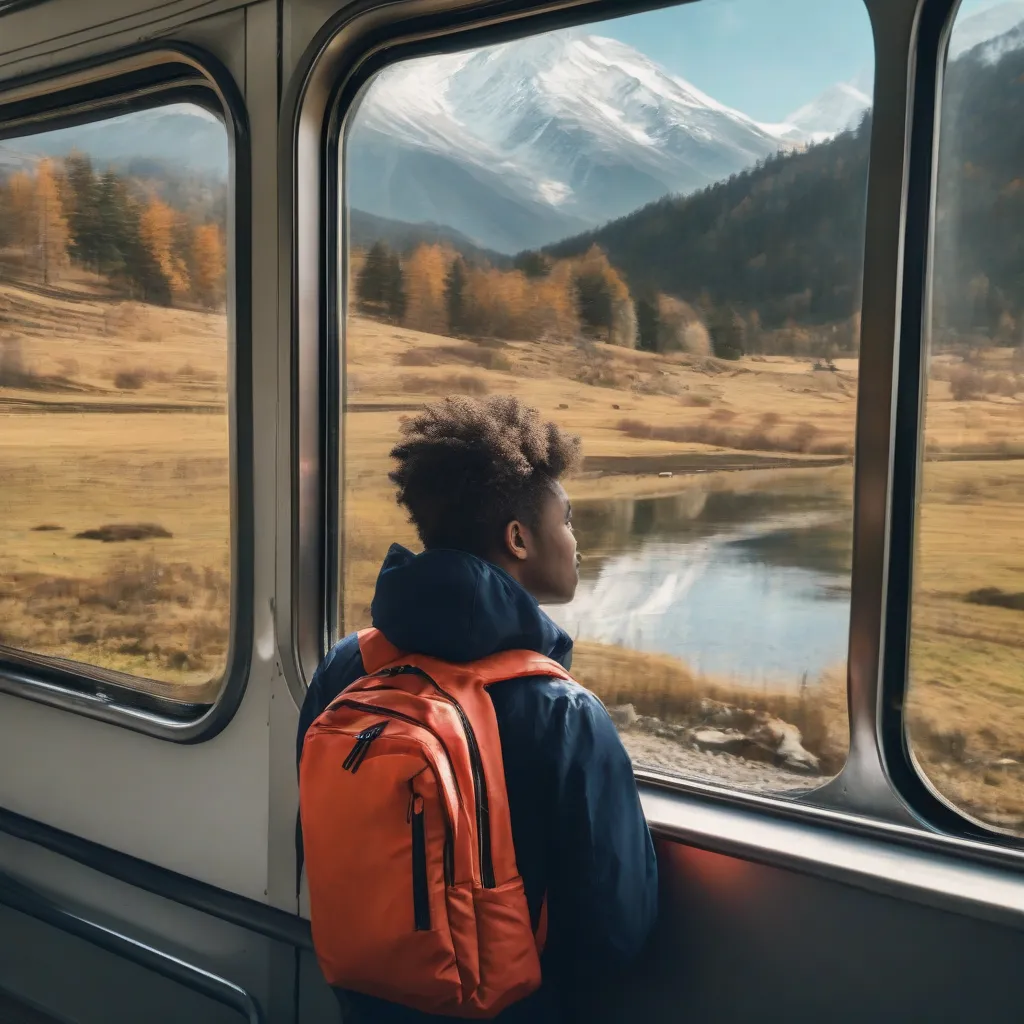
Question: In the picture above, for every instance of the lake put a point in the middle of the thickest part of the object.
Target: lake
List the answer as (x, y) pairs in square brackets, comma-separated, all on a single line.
[(750, 583)]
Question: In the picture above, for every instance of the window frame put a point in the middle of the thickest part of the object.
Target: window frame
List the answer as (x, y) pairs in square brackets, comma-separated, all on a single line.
[(879, 790), (937, 23), (142, 78)]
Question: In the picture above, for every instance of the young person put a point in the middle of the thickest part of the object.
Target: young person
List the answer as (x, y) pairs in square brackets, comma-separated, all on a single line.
[(481, 484)]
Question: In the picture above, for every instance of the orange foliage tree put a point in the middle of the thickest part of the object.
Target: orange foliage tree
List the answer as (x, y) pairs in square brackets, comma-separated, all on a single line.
[(549, 300), (157, 230), (508, 304), (35, 230), (52, 225), (425, 273), (209, 266)]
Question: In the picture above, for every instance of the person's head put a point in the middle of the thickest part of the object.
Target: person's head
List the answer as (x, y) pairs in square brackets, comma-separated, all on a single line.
[(483, 477)]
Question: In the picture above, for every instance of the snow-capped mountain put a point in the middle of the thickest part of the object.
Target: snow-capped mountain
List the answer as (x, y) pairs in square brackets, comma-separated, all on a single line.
[(560, 132), (838, 108), (994, 25)]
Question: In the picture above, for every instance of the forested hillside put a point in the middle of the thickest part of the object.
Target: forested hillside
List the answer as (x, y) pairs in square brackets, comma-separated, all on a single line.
[(783, 242), (149, 235), (784, 239)]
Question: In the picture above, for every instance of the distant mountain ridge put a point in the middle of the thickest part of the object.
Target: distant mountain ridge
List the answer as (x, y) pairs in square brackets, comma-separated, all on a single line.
[(520, 144), (182, 137), (365, 229)]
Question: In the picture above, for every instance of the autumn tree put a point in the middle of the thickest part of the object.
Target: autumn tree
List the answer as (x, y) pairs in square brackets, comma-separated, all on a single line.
[(209, 266), (52, 225), (425, 274), (19, 229), (35, 228), (156, 230)]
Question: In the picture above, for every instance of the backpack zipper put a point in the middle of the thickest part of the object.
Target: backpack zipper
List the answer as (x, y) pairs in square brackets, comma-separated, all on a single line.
[(479, 783), (420, 888)]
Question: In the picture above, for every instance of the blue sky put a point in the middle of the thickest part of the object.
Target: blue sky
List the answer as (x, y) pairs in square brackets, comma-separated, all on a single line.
[(764, 57)]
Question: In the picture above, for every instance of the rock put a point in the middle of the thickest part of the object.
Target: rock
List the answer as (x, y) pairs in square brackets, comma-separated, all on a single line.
[(672, 731), (624, 716), (772, 741), (729, 741), (725, 716), (754, 736), (786, 743)]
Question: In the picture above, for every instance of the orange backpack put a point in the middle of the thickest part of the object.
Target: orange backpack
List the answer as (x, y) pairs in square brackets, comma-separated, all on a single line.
[(414, 892)]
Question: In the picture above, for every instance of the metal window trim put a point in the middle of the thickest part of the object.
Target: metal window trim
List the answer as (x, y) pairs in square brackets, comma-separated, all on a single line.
[(96, 693), (938, 20)]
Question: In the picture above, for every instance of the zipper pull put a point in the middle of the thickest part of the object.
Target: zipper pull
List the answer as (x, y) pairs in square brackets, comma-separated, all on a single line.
[(354, 752), (366, 737), (415, 803)]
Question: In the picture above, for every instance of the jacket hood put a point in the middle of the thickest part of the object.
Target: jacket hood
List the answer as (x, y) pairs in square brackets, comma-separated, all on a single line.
[(456, 607)]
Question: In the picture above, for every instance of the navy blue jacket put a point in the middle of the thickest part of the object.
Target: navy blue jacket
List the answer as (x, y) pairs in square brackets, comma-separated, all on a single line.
[(577, 826)]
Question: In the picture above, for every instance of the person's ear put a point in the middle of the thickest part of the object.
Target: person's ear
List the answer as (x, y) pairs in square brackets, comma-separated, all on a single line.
[(515, 540)]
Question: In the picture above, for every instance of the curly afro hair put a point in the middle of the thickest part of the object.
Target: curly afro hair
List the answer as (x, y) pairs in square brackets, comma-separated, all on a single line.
[(467, 468)]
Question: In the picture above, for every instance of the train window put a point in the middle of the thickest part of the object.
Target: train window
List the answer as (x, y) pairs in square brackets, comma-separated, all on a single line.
[(115, 511), (965, 711), (652, 230)]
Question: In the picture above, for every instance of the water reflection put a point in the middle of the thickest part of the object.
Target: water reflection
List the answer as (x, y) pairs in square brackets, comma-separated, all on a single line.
[(751, 584)]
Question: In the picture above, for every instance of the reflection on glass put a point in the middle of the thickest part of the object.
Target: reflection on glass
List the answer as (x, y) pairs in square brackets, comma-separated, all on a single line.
[(965, 712), (572, 218), (114, 462)]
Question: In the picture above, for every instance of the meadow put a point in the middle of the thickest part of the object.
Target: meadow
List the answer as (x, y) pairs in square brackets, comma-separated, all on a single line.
[(115, 511)]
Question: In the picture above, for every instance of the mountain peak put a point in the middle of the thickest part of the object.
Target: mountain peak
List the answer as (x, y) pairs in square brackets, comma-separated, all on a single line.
[(582, 126), (837, 109), (994, 26)]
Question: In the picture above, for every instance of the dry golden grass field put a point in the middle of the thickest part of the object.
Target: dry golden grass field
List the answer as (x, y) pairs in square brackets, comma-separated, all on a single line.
[(113, 415)]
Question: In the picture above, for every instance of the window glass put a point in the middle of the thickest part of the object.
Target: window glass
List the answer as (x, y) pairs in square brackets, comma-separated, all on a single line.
[(651, 229), (965, 710), (114, 460)]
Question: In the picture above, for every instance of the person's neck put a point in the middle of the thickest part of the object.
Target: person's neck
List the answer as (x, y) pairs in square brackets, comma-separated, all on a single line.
[(512, 566)]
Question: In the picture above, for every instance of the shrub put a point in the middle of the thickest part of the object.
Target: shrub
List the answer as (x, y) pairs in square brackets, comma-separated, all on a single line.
[(129, 380)]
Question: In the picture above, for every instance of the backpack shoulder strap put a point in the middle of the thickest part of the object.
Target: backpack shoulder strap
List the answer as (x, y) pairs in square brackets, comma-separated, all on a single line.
[(516, 665), (376, 650)]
